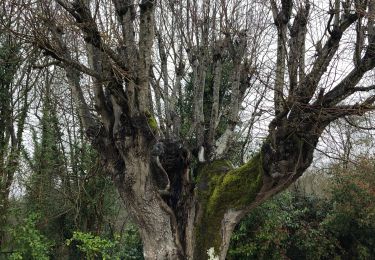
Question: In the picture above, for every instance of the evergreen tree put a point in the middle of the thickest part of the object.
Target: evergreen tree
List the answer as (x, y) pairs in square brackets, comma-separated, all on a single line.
[(10, 140)]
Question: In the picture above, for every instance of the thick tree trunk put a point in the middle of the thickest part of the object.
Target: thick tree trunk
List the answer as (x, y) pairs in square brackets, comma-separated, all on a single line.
[(156, 221), (196, 217), (150, 212)]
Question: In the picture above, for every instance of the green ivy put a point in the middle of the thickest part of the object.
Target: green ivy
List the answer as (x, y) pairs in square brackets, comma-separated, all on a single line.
[(125, 247), (92, 246), (28, 242)]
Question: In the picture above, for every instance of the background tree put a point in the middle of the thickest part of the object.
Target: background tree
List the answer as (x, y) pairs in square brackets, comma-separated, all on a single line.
[(50, 175), (16, 81), (65, 186), (112, 52)]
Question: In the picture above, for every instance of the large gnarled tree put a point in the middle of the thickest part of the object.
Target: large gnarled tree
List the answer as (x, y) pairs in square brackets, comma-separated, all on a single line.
[(125, 50)]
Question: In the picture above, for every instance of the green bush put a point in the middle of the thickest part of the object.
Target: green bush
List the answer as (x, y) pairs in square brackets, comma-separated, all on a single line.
[(284, 227), (124, 247), (131, 245), (352, 219), (28, 242), (299, 226), (92, 246)]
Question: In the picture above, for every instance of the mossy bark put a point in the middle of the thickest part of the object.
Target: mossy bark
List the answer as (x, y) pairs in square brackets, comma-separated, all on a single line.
[(152, 123), (221, 189)]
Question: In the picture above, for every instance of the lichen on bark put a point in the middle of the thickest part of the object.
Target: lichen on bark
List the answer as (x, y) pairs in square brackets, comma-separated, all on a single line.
[(222, 188)]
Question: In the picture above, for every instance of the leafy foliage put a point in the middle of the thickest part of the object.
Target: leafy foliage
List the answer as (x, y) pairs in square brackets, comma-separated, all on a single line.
[(28, 242), (285, 227), (352, 220), (130, 244), (92, 246), (127, 247), (299, 226)]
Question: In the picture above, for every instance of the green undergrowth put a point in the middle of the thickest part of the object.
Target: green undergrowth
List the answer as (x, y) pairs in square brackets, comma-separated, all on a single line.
[(221, 188)]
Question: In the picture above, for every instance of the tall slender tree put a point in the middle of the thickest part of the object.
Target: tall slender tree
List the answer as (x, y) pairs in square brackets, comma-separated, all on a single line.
[(15, 84)]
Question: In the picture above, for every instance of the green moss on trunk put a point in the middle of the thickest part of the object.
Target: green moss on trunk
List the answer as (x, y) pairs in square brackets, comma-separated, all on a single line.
[(220, 188), (151, 121)]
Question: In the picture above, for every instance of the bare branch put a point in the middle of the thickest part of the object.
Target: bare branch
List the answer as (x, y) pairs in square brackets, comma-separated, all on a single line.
[(125, 10), (297, 47), (146, 37), (91, 32), (281, 20), (347, 86), (307, 87)]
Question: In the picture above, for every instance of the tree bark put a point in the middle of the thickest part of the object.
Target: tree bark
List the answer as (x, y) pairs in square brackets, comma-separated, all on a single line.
[(189, 222)]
